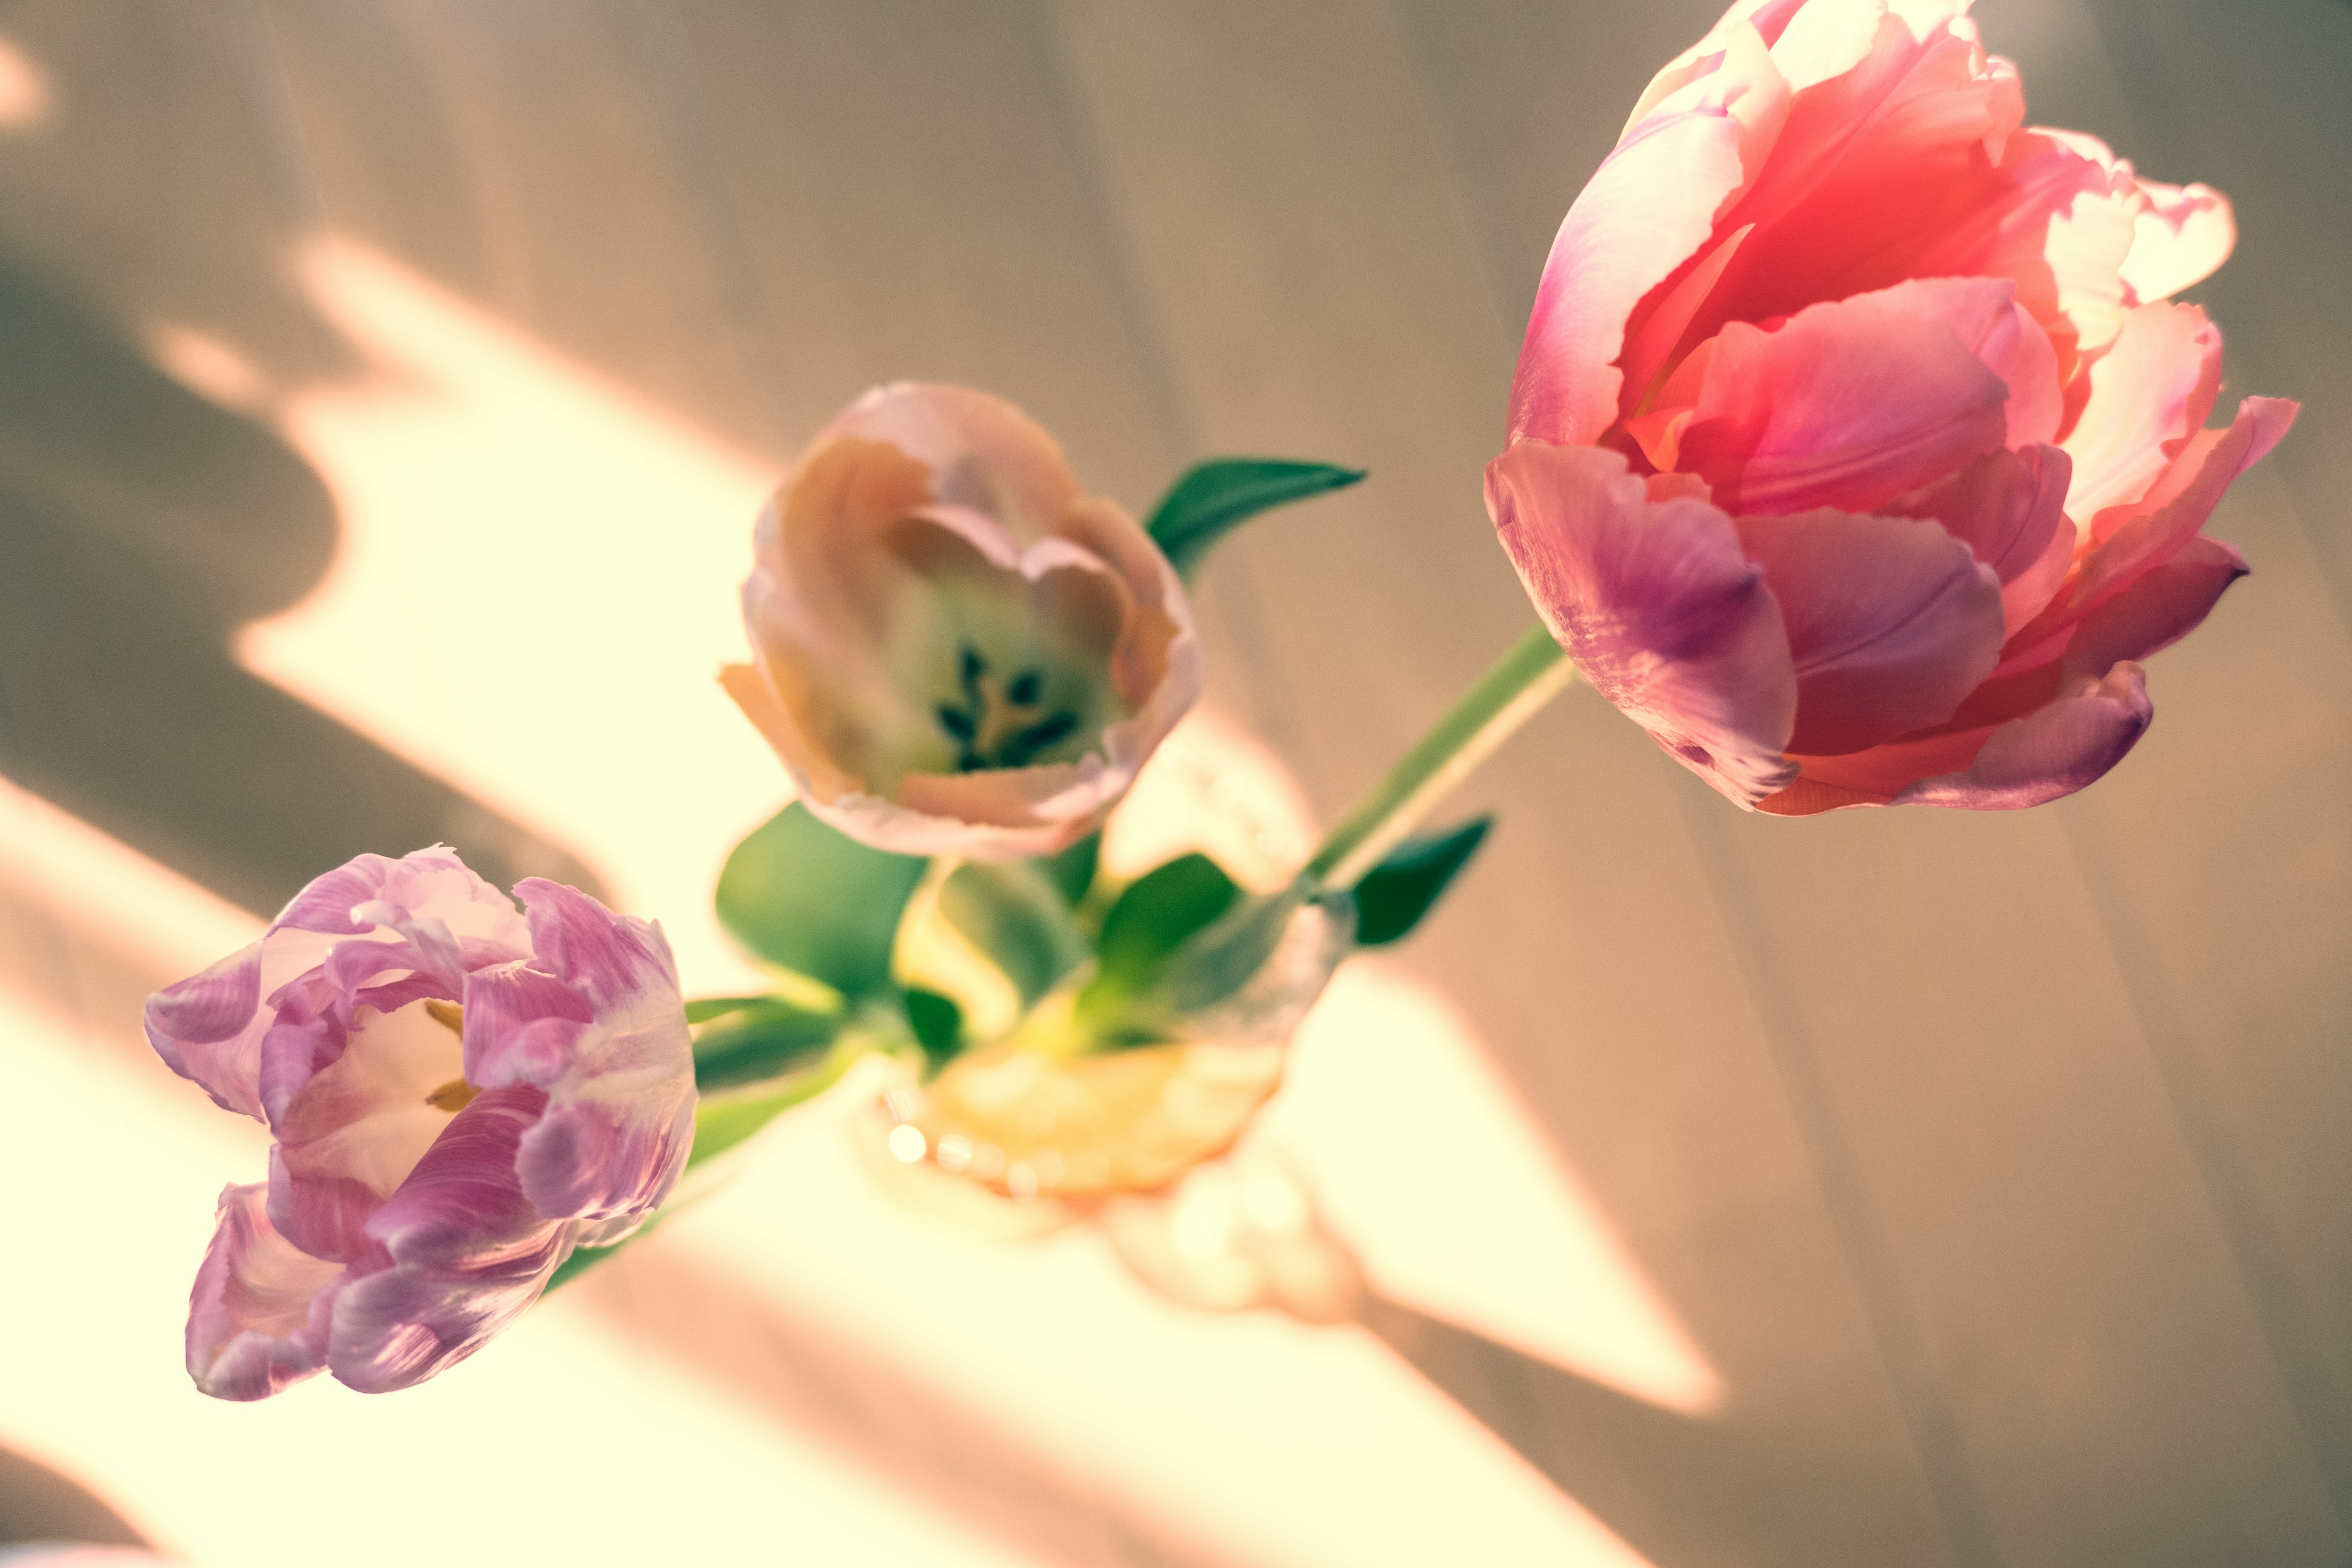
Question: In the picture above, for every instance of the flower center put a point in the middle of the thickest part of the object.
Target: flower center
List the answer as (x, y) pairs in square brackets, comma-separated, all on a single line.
[(996, 723), (457, 1094)]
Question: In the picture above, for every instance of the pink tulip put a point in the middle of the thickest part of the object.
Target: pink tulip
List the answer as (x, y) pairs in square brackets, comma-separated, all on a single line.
[(1854, 451), (959, 651), (460, 1095)]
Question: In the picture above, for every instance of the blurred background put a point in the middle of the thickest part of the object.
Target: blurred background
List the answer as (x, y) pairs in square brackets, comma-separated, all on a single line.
[(386, 387)]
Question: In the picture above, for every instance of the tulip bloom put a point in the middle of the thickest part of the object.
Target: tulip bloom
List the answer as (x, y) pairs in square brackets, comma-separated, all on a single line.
[(958, 651), (1856, 451), (460, 1095)]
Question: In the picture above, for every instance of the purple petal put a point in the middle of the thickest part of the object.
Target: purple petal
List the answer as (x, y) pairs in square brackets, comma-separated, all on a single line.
[(2048, 753), (462, 1254), (256, 1318), (621, 1080), (205, 1030), (1655, 602), (1891, 622)]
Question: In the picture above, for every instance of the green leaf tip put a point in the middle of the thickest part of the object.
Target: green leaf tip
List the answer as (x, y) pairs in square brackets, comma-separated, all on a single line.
[(1213, 498), (808, 897), (1395, 894), (936, 1023), (763, 1038)]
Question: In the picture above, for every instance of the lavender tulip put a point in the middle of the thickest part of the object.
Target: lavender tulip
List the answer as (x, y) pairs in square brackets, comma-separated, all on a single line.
[(461, 1094)]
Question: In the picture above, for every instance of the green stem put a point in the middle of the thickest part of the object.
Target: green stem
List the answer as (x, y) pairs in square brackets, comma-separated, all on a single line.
[(1530, 675)]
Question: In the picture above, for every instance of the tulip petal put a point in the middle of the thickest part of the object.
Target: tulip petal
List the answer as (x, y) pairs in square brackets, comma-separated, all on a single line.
[(1891, 622), (2180, 238), (1851, 403), (1649, 208), (462, 1253), (620, 1116), (1871, 163), (350, 1135), (1655, 602), (2135, 540), (205, 1029), (2163, 605), (252, 1329), (2051, 753), (2149, 392), (2009, 508)]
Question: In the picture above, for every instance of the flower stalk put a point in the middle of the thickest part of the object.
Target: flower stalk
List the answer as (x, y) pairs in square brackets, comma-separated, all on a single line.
[(1515, 690)]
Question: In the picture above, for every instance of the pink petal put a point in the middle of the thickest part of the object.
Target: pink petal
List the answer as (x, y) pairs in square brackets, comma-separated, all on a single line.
[(2149, 393), (2010, 508), (2056, 217), (1850, 403), (1871, 161), (1650, 207), (2052, 753), (462, 1254), (982, 452), (252, 1329), (1656, 604), (2134, 540), (2163, 605), (1891, 622), (2181, 237)]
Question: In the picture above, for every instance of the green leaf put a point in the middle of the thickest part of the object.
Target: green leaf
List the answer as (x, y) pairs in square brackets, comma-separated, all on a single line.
[(1396, 893), (1215, 498), (1153, 918), (805, 896), (937, 1022), (1073, 870), (704, 1009), (763, 1039), (1017, 914)]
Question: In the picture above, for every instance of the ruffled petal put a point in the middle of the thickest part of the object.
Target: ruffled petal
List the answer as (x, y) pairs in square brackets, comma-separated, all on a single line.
[(358, 1125), (2010, 508), (1650, 207), (2181, 236), (1851, 403), (1872, 162), (256, 1318), (1648, 588), (620, 1081), (2158, 610), (2051, 753), (2133, 541), (206, 1029), (1891, 622), (2149, 395), (462, 1253)]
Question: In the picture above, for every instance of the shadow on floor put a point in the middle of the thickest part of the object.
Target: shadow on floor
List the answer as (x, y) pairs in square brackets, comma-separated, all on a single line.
[(37, 1504), (140, 526)]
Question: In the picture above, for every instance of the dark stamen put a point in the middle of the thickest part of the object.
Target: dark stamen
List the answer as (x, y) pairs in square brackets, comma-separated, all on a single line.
[(971, 669), (1024, 746), (1026, 688), (956, 723)]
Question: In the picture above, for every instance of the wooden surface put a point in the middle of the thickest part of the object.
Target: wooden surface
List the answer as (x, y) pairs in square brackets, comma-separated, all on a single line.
[(1998, 1168)]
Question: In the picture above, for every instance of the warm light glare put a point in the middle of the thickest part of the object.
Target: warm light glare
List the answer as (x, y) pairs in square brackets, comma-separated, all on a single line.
[(1430, 1163), (25, 99), (535, 590)]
